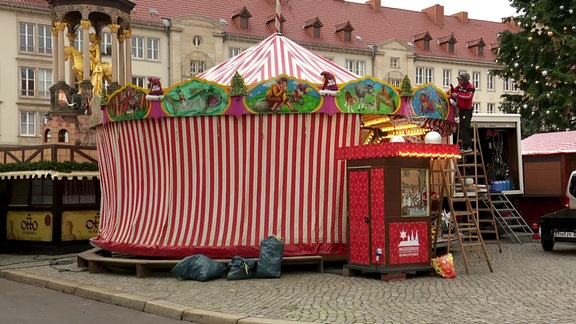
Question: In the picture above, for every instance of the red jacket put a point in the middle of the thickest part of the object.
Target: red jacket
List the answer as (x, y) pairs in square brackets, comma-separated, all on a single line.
[(465, 96)]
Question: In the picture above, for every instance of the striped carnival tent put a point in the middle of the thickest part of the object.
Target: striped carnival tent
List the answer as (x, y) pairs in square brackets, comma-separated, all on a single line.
[(274, 56), (218, 185)]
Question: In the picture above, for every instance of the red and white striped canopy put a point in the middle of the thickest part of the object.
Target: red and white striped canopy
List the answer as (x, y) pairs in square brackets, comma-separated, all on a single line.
[(272, 57)]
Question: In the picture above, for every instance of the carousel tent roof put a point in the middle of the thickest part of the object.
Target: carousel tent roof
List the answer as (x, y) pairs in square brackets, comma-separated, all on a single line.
[(550, 143), (274, 56)]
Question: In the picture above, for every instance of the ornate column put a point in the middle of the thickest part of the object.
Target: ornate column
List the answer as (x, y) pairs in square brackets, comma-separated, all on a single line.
[(128, 58), (121, 59), (71, 72), (85, 25), (60, 26), (55, 54), (114, 30)]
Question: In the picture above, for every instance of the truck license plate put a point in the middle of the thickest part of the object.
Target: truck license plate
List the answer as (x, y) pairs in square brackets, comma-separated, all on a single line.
[(565, 234)]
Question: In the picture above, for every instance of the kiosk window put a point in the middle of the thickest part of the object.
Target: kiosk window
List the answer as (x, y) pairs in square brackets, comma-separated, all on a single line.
[(77, 192), (20, 192), (41, 192)]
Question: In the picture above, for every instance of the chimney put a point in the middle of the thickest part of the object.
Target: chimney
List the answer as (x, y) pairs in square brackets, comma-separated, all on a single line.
[(462, 15), (436, 14), (376, 5)]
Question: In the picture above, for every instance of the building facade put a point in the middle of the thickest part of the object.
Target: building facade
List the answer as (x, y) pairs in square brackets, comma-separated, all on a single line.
[(179, 39)]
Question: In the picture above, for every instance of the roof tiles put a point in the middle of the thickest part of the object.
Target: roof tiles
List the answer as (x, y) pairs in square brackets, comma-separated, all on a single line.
[(550, 143)]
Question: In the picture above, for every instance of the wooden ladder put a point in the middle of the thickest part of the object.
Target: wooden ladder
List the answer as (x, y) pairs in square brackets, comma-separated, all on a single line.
[(446, 183), (472, 168)]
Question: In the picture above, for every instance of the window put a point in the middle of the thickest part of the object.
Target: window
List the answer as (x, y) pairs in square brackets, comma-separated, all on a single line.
[(139, 81), (197, 40), (429, 75), (233, 51), (446, 78), (347, 35), (26, 37), (106, 44), (44, 39), (480, 50), (476, 80), (316, 31), (27, 123), (476, 107), (153, 48), (44, 82), (138, 47), (20, 192), (78, 40), (197, 67), (27, 81), (490, 82), (355, 67), (394, 63), (244, 22), (450, 47), (419, 75), (506, 85), (41, 191), (78, 192), (490, 109), (426, 44), (514, 85)]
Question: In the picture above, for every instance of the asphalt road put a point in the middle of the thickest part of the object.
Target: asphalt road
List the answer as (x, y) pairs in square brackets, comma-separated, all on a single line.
[(25, 304)]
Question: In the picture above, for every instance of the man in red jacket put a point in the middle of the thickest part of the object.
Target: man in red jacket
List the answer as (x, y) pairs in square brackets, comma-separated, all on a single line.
[(464, 96)]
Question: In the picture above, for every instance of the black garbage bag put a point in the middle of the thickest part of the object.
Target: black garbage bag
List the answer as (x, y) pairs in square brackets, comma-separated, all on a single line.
[(198, 267), (240, 268), (270, 258)]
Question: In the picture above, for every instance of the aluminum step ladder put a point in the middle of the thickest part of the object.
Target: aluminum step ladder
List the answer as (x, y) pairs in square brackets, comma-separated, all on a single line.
[(509, 219)]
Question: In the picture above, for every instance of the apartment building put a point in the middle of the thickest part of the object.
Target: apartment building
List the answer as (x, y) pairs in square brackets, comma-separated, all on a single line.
[(179, 39)]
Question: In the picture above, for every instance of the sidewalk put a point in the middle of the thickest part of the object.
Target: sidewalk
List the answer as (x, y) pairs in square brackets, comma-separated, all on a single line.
[(528, 285)]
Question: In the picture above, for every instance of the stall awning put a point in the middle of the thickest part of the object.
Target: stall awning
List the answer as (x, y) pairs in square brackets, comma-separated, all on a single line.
[(49, 173)]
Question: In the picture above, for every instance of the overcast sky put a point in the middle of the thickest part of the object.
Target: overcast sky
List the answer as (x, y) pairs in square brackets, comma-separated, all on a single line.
[(492, 10)]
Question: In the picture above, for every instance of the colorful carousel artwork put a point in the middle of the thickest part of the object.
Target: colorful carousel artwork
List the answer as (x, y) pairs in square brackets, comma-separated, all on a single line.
[(245, 150)]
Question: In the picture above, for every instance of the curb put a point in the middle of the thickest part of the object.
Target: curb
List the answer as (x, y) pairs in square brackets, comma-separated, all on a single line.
[(151, 305)]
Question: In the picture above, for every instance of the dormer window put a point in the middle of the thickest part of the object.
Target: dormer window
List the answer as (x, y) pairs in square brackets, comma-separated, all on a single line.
[(493, 47), (477, 45), (271, 23), (422, 40), (447, 43), (242, 18), (344, 31), (313, 27)]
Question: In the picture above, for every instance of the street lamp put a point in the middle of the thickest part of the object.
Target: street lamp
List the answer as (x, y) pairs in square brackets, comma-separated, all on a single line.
[(167, 22)]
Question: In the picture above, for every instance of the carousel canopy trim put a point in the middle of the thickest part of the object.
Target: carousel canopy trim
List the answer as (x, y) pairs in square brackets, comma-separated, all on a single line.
[(49, 173), (389, 150), (274, 56)]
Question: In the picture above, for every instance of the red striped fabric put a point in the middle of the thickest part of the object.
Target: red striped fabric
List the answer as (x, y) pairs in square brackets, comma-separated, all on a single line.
[(218, 185), (272, 57)]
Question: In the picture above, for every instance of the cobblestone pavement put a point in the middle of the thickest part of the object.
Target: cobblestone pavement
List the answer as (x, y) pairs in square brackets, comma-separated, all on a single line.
[(528, 285)]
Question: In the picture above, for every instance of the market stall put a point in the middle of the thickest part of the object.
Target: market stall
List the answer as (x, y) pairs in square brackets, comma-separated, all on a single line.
[(49, 207), (389, 207)]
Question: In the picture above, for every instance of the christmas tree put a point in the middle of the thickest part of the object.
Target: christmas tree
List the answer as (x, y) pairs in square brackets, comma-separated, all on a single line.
[(237, 87), (406, 87), (539, 59)]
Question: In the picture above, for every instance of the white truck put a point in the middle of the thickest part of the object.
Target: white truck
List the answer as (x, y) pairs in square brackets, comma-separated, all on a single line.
[(560, 226)]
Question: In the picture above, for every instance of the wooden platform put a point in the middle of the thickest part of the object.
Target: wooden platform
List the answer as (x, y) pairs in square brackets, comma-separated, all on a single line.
[(98, 260)]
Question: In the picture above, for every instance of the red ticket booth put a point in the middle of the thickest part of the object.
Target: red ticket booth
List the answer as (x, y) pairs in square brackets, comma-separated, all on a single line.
[(389, 215)]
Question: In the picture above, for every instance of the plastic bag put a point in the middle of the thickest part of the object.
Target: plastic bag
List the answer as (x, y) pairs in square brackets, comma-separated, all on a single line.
[(444, 265), (198, 267), (240, 268), (270, 258)]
